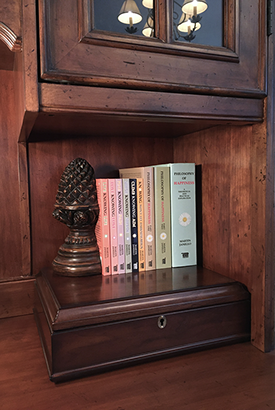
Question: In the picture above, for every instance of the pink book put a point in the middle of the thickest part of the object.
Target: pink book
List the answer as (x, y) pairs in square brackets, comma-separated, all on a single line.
[(113, 225), (102, 229), (120, 226)]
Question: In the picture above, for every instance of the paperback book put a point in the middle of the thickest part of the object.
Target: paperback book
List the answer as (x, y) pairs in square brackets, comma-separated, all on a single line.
[(120, 226), (102, 229), (162, 216), (113, 225), (127, 225), (147, 174), (134, 223)]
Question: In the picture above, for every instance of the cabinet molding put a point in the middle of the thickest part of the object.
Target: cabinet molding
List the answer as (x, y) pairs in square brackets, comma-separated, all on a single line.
[(12, 41)]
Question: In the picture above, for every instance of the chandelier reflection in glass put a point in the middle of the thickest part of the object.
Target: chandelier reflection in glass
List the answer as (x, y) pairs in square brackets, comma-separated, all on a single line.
[(130, 14), (188, 23)]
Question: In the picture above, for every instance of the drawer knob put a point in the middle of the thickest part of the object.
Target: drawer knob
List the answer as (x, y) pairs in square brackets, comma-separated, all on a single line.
[(162, 321)]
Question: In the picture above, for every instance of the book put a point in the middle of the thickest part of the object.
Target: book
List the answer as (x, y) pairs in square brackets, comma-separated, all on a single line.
[(147, 173), (183, 214), (162, 216), (102, 229), (140, 220), (127, 225), (120, 226), (113, 225), (134, 228)]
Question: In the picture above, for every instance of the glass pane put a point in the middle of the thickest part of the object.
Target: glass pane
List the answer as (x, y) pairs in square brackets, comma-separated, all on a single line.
[(199, 22), (134, 17)]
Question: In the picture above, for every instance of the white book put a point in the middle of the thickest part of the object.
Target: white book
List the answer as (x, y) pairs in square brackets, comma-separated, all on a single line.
[(127, 225), (120, 226)]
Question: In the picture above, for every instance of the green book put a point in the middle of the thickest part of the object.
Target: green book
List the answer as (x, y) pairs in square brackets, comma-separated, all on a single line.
[(162, 216)]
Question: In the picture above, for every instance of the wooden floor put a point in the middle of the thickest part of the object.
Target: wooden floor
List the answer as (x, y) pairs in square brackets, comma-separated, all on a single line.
[(237, 377)]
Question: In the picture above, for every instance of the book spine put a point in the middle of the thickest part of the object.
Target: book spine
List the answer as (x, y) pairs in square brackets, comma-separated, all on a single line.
[(120, 227), (147, 173), (113, 226), (140, 219), (134, 222), (162, 217), (149, 218), (102, 229), (127, 225), (183, 214)]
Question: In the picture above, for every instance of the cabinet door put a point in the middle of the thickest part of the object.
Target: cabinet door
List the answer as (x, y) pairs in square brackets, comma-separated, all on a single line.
[(75, 49)]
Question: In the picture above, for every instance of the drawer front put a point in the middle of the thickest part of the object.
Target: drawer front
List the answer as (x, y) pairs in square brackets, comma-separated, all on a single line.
[(105, 346)]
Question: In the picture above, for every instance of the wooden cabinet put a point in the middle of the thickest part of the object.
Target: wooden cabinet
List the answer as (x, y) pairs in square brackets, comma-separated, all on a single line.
[(120, 102), (72, 50)]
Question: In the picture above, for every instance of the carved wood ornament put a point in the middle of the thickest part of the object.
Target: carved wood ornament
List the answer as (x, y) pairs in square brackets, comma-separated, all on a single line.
[(12, 41), (76, 206)]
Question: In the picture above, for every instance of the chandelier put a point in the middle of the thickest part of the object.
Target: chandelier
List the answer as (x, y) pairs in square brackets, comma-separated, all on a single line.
[(184, 27)]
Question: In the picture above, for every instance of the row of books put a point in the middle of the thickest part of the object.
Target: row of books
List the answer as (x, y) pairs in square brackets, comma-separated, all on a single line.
[(147, 219)]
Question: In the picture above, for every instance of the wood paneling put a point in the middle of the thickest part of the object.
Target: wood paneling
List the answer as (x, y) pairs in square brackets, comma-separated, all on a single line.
[(10, 201), (224, 154), (106, 155), (234, 208), (235, 377)]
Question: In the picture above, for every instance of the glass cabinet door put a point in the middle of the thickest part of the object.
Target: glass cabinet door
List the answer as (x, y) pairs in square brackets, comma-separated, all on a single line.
[(133, 17), (198, 46), (196, 21)]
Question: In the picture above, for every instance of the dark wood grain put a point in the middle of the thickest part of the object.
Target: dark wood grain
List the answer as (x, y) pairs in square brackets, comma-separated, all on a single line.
[(155, 105), (117, 323), (71, 302), (17, 298), (237, 376), (10, 201), (235, 186)]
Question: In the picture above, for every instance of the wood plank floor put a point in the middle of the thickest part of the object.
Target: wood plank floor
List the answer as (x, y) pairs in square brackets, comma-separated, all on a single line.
[(235, 377)]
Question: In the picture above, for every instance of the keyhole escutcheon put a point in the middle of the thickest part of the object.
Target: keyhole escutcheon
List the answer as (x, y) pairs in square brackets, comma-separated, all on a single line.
[(162, 321)]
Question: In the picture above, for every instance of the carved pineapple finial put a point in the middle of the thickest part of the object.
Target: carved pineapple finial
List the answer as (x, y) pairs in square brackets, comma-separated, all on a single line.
[(76, 206)]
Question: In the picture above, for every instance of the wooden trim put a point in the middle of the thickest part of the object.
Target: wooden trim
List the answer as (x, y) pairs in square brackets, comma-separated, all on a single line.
[(12, 41), (127, 103), (23, 178), (17, 298), (269, 317)]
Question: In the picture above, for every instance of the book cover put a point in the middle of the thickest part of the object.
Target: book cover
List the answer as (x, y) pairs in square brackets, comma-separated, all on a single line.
[(120, 226), (134, 224), (183, 214), (127, 225), (113, 225), (162, 216), (140, 219), (147, 173), (102, 229)]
